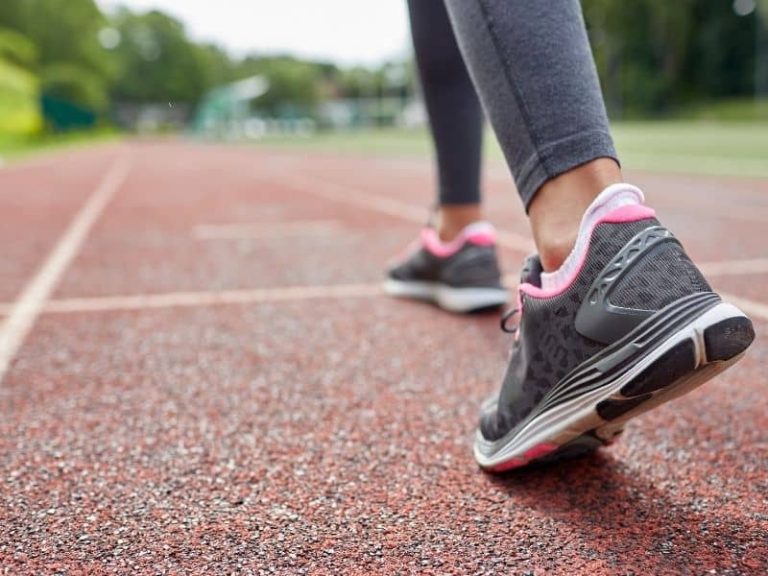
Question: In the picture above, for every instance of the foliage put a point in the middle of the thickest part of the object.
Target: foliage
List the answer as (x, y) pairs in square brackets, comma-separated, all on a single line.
[(659, 57), (155, 48), (19, 111), (75, 84), (65, 36), (293, 83), (654, 57), (18, 49), (64, 31)]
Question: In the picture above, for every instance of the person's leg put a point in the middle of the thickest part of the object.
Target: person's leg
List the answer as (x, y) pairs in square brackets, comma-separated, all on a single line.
[(616, 319), (454, 263), (455, 116), (532, 64)]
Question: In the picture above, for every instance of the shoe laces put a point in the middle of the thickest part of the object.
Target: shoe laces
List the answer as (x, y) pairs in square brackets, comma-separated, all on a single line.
[(511, 313), (506, 317)]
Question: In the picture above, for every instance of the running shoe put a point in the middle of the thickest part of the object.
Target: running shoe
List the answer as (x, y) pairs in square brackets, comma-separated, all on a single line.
[(459, 276), (633, 325)]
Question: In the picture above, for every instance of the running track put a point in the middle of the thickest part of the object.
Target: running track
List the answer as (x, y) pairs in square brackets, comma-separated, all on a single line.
[(198, 375)]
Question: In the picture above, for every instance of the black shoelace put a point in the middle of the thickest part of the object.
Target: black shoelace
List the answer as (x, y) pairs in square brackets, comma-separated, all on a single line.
[(506, 317)]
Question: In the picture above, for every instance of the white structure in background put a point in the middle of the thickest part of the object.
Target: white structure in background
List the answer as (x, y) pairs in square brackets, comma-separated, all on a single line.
[(148, 118), (414, 115), (226, 113)]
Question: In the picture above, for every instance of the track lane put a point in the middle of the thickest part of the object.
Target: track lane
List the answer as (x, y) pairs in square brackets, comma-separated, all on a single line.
[(329, 434)]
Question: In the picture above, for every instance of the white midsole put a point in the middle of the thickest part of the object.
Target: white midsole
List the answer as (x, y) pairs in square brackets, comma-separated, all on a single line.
[(447, 297), (577, 416)]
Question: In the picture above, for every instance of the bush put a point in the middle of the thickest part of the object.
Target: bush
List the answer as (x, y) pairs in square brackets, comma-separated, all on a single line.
[(17, 49), (19, 101), (76, 85)]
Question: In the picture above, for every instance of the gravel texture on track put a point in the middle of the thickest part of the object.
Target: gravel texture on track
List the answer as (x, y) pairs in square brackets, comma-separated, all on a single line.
[(329, 435)]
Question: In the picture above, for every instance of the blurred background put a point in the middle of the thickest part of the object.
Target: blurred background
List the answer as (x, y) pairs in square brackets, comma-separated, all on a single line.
[(688, 75)]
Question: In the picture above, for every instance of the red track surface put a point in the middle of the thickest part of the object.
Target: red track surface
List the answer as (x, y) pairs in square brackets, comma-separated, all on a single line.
[(305, 431)]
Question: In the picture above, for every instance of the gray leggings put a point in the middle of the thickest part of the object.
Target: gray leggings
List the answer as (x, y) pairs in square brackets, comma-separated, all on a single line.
[(531, 64)]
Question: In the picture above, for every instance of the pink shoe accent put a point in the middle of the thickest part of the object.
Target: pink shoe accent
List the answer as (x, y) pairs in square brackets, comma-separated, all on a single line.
[(484, 238), (480, 236), (510, 465), (519, 306), (541, 450), (431, 241), (535, 452), (631, 213)]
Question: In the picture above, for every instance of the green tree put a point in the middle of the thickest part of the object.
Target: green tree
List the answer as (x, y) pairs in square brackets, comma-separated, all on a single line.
[(721, 61), (216, 65), (293, 83), (71, 62), (157, 62), (18, 49), (657, 57), (19, 88)]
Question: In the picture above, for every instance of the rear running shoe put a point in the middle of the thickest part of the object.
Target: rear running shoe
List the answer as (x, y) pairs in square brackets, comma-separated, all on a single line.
[(632, 326), (460, 276)]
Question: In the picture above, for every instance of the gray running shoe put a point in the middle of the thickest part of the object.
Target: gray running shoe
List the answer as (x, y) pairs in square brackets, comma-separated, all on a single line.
[(636, 326), (460, 276)]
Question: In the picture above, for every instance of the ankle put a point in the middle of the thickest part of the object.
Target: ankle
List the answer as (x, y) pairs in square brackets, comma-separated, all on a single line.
[(554, 248), (450, 220), (559, 205)]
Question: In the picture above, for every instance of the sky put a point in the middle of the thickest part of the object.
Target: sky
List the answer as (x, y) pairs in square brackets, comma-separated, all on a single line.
[(347, 32)]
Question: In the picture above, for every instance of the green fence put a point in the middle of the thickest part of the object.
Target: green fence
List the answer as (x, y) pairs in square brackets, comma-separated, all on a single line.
[(63, 116)]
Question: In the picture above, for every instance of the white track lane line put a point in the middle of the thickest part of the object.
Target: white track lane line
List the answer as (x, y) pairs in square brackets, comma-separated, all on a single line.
[(735, 267), (266, 295), (354, 197), (750, 307), (267, 230), (24, 311), (383, 204), (192, 299)]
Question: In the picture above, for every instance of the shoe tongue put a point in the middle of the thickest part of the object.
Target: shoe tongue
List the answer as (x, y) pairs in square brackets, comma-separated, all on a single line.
[(531, 272)]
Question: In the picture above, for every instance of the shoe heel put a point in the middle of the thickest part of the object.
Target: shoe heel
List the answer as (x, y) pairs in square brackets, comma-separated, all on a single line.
[(728, 338), (708, 349)]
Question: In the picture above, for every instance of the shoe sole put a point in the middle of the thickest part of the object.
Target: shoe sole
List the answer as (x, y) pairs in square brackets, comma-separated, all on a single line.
[(448, 297), (593, 410)]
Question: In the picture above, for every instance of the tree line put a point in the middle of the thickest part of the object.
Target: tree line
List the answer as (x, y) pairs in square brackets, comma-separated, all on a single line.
[(654, 57)]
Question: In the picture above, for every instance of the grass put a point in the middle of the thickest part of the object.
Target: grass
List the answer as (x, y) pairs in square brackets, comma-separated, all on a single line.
[(730, 110), (12, 148), (21, 122), (717, 148), (690, 146), (686, 146), (366, 141)]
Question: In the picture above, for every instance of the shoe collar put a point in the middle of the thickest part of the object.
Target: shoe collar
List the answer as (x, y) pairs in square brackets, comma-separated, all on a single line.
[(480, 233)]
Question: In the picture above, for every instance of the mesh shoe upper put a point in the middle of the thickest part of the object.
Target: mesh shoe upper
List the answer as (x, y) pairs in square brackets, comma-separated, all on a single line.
[(470, 266), (548, 346)]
